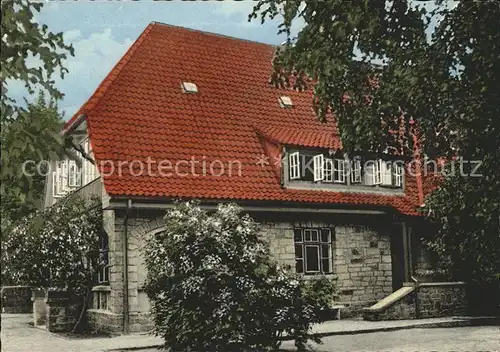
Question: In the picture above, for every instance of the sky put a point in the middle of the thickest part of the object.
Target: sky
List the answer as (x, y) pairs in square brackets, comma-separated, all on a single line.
[(101, 32)]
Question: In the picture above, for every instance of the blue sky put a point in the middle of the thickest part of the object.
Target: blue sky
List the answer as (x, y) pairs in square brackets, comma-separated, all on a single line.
[(101, 32)]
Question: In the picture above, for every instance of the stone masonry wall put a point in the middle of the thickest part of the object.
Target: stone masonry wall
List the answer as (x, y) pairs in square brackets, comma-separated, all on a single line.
[(362, 259), (442, 299)]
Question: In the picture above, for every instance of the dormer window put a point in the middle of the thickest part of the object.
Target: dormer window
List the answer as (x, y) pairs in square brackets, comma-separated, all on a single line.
[(285, 102), (356, 171), (189, 87), (316, 168)]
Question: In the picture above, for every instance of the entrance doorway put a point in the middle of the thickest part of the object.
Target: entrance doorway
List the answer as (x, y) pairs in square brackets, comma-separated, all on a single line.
[(397, 256)]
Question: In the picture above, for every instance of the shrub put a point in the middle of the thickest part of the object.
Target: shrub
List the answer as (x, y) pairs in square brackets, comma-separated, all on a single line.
[(57, 248), (213, 286)]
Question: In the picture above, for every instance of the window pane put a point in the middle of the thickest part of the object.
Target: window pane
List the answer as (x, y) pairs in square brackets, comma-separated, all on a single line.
[(298, 251), (325, 265), (325, 251), (314, 235), (297, 235), (299, 266), (308, 168), (325, 235), (312, 259), (307, 235)]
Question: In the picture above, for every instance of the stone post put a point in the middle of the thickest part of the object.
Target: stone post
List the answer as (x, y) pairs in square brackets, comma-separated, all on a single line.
[(61, 313), (39, 307)]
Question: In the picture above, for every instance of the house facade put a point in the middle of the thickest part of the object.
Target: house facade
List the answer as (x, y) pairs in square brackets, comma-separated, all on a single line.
[(191, 115)]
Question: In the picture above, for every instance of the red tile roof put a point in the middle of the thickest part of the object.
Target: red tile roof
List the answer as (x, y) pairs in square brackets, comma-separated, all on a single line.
[(139, 111)]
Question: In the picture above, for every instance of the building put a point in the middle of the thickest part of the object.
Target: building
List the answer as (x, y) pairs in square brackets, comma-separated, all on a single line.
[(191, 115)]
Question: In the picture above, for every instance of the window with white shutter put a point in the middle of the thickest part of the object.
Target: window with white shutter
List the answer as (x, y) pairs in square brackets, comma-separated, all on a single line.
[(55, 181), (318, 165), (339, 172), (398, 174), (328, 170), (356, 171), (375, 175), (385, 173), (74, 177), (294, 165)]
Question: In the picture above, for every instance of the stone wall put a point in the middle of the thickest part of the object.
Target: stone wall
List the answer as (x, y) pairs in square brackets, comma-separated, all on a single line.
[(102, 321), (62, 313), (361, 257), (442, 299), (361, 260), (16, 299)]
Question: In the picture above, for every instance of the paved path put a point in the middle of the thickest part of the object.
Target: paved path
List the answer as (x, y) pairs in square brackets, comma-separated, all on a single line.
[(461, 339), (19, 336)]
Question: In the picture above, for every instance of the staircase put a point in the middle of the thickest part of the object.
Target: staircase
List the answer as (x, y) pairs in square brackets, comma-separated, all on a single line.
[(398, 305)]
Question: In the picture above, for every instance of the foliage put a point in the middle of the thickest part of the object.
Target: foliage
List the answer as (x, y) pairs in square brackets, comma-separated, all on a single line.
[(37, 124), (32, 55), (213, 286), (58, 248), (468, 228), (389, 71)]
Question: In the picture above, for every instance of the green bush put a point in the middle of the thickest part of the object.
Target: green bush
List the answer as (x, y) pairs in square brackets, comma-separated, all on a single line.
[(213, 286)]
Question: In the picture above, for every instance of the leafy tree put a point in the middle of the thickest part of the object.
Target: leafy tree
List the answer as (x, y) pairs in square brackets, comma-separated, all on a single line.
[(36, 124), (57, 248), (33, 55), (387, 71), (213, 286)]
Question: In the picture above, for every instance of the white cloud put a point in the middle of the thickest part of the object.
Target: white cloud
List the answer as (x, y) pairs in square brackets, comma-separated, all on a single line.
[(95, 55), (234, 8)]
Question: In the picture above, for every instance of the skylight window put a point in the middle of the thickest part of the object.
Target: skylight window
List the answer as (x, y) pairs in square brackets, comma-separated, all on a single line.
[(285, 102), (189, 87)]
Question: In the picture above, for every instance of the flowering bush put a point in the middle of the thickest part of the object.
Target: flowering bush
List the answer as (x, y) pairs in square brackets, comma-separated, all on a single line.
[(213, 286), (57, 248)]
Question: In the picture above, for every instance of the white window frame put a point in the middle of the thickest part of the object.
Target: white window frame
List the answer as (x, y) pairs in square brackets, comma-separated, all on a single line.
[(398, 174), (55, 181), (328, 170), (294, 165), (65, 173), (385, 172), (312, 237), (74, 179), (318, 167), (376, 175), (356, 176), (339, 172)]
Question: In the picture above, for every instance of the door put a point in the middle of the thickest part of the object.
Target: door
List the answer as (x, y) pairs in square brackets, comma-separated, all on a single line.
[(397, 256)]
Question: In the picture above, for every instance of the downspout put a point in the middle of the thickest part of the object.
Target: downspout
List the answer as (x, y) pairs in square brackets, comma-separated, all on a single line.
[(125, 269), (415, 281)]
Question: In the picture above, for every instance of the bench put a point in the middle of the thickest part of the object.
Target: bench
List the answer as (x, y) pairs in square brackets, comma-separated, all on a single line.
[(336, 308)]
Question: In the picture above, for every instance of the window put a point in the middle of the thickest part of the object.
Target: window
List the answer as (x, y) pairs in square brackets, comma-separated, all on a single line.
[(189, 87), (285, 102), (101, 299), (398, 175), (74, 178), (318, 167), (339, 174), (103, 273), (328, 170), (373, 176), (313, 251), (294, 160), (356, 171), (60, 179), (385, 173), (89, 170)]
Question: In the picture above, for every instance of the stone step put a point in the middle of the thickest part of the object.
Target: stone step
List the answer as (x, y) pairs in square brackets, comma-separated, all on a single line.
[(398, 305)]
